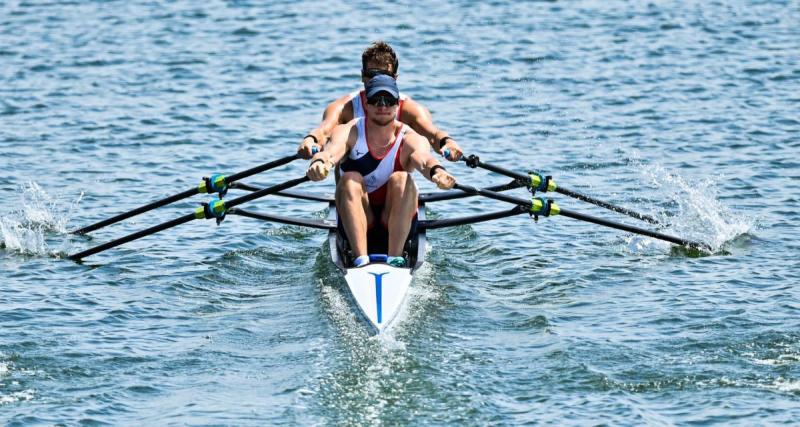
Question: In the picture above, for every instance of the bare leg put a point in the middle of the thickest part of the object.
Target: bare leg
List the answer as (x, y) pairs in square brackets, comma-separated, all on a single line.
[(352, 204), (401, 203)]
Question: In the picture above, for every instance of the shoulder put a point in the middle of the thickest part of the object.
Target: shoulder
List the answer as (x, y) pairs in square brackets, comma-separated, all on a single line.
[(414, 139), (347, 130), (341, 101), (413, 111)]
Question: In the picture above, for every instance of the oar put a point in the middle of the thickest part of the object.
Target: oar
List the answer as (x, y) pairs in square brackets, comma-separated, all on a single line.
[(215, 183), (213, 209), (541, 183), (541, 207)]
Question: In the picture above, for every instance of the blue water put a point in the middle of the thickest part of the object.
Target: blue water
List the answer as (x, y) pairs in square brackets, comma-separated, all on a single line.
[(683, 110)]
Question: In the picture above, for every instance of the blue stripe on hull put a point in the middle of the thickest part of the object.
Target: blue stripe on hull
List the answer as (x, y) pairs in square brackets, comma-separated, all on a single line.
[(378, 292)]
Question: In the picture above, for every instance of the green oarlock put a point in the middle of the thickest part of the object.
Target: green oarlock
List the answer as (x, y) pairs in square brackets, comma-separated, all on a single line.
[(554, 209), (537, 180), (540, 206), (219, 181), (200, 213), (551, 185), (218, 208), (537, 204), (214, 184)]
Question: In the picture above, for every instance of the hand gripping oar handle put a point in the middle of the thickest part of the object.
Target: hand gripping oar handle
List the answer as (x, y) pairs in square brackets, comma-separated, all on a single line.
[(539, 206), (216, 209), (217, 182), (540, 183)]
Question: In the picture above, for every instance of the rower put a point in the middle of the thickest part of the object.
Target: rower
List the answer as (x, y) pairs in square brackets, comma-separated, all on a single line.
[(379, 59), (377, 155)]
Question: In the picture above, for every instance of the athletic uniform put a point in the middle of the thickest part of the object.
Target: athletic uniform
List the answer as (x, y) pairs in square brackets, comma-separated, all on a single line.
[(375, 170)]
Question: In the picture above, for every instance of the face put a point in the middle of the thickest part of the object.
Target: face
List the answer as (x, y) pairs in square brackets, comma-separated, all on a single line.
[(382, 108)]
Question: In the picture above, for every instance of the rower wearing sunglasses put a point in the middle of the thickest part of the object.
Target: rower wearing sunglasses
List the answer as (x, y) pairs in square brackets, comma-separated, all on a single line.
[(377, 155), (378, 59)]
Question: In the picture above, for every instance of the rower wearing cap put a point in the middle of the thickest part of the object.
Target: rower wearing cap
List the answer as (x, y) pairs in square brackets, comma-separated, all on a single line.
[(379, 59), (377, 155)]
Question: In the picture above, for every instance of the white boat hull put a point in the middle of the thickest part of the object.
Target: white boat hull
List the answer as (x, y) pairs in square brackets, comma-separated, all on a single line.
[(379, 290)]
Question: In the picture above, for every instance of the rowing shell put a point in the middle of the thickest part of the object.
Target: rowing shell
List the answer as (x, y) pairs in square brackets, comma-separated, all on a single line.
[(378, 289)]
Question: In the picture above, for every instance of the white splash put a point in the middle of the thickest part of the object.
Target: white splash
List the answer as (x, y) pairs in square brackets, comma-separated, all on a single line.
[(17, 396), (697, 213), (24, 229)]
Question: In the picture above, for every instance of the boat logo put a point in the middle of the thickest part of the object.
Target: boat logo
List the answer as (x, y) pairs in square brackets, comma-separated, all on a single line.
[(378, 292)]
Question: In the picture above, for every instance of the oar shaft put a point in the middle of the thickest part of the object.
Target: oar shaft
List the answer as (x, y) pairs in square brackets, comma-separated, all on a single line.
[(631, 229), (188, 193), (570, 193), (184, 219), (131, 237), (265, 191), (137, 211), (609, 206), (491, 194), (261, 168), (584, 217)]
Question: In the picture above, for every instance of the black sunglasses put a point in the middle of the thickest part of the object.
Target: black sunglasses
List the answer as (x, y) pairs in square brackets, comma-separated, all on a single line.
[(372, 72), (382, 99)]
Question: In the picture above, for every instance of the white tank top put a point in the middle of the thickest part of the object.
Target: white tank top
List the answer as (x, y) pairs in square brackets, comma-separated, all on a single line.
[(376, 171)]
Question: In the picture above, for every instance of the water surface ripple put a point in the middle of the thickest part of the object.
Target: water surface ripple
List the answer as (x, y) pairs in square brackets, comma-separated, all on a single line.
[(682, 110)]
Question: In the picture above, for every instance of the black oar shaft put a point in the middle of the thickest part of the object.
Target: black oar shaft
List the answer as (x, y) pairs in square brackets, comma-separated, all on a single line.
[(137, 211), (632, 229), (491, 194), (265, 191), (570, 193), (609, 206), (131, 237), (184, 219), (584, 217), (188, 193), (261, 168)]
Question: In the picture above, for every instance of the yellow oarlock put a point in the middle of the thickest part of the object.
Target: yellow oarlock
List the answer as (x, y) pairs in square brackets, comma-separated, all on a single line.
[(218, 182), (536, 181), (538, 206), (215, 208)]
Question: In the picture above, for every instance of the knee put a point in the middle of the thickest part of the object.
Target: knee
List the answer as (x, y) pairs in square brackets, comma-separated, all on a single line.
[(399, 180), (351, 183)]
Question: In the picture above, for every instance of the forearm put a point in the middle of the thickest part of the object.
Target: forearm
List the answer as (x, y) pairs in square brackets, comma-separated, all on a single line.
[(424, 163), (331, 117)]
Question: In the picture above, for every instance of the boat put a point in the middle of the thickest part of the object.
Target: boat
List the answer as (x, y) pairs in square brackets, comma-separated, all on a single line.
[(378, 289)]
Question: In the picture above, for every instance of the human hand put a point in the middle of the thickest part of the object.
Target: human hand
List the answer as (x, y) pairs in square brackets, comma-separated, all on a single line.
[(319, 168), (308, 147), (451, 151), (443, 179)]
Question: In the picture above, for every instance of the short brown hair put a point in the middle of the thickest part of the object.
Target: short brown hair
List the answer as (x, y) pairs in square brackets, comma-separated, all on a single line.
[(381, 53)]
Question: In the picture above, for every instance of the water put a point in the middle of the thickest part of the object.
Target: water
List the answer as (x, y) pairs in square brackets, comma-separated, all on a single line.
[(683, 110)]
